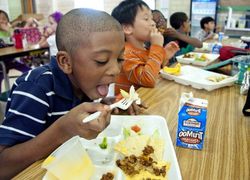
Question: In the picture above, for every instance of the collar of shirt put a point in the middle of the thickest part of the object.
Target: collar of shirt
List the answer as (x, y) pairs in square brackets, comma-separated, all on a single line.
[(62, 84)]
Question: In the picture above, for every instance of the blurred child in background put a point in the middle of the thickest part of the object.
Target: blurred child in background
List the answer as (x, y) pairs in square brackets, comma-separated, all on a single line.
[(141, 66), (207, 29), (5, 34), (180, 33), (49, 37)]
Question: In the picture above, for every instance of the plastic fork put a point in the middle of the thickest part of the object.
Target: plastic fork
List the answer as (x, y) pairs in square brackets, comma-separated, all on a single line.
[(122, 104)]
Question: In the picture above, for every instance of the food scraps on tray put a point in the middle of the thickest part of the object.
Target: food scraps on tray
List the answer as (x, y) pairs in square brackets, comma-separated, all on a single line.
[(216, 78)]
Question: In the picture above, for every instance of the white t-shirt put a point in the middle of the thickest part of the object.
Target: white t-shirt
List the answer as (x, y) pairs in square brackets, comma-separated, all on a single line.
[(52, 45)]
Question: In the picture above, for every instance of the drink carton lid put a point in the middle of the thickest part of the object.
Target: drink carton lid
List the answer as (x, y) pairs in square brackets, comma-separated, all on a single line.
[(198, 102)]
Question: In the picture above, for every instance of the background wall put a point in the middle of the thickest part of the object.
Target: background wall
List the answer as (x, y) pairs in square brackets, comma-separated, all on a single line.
[(168, 7)]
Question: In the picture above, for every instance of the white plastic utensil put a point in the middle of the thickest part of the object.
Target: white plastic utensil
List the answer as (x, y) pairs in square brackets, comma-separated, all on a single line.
[(122, 104)]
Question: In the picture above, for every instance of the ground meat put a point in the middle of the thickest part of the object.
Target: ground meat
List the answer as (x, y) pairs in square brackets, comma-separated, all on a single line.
[(148, 150), (128, 165), (146, 161), (132, 165), (107, 176)]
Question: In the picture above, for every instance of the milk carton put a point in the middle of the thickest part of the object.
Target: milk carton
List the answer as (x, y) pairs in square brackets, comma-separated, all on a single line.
[(192, 123)]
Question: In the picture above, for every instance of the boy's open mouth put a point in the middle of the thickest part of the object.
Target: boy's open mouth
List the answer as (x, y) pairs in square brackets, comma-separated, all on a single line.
[(103, 89)]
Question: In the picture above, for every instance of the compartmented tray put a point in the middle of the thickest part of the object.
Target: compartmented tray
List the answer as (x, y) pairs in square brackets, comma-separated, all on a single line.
[(195, 58), (198, 78), (105, 160)]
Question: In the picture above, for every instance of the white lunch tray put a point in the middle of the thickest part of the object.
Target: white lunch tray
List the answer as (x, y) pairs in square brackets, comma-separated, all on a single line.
[(211, 58), (104, 160), (197, 78)]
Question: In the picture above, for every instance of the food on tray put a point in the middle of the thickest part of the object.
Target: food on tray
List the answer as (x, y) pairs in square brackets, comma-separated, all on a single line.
[(173, 70), (134, 145), (203, 57), (189, 55), (143, 166), (104, 143), (217, 78), (107, 176), (136, 128)]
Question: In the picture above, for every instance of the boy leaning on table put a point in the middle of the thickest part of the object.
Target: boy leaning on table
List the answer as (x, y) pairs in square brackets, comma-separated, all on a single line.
[(47, 105), (141, 66)]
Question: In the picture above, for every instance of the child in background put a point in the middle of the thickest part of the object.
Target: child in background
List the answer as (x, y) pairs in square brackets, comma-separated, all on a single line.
[(207, 27), (47, 105), (5, 34), (141, 66), (50, 39), (179, 21), (161, 23), (5, 27)]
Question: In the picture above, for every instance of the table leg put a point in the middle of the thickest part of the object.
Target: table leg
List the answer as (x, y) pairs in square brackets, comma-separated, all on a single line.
[(5, 76)]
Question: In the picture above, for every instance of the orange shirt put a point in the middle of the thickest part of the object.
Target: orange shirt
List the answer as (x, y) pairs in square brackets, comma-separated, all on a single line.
[(140, 67)]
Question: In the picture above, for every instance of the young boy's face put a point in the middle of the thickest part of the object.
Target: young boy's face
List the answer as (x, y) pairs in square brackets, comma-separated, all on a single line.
[(143, 24), (186, 26), (94, 66), (209, 26)]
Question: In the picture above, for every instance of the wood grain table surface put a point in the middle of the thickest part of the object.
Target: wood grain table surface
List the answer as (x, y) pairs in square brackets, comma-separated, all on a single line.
[(226, 151)]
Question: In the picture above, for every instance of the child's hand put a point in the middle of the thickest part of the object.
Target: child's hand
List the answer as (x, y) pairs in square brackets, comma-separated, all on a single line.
[(171, 32), (156, 37), (71, 123), (134, 109), (171, 48)]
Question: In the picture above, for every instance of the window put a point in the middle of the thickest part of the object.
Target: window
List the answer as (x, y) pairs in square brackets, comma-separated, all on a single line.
[(150, 3), (93, 4)]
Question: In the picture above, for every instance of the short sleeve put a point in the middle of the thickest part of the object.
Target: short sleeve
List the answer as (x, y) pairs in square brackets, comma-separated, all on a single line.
[(27, 109)]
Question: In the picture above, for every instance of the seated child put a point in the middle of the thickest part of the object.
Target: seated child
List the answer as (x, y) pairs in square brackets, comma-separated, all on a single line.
[(207, 28), (141, 66), (179, 21), (50, 40), (5, 34), (47, 105), (161, 23)]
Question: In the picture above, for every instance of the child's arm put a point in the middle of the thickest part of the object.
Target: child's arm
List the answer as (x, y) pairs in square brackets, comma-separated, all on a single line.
[(143, 70), (23, 144), (171, 48), (17, 157), (192, 41)]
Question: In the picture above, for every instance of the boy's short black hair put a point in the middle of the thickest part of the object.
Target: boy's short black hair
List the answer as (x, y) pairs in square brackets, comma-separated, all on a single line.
[(206, 20), (126, 11), (75, 27), (177, 19), (6, 15)]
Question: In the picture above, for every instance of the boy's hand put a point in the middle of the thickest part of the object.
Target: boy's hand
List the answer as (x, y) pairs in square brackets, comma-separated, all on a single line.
[(171, 32), (171, 48), (156, 37), (71, 123), (134, 109)]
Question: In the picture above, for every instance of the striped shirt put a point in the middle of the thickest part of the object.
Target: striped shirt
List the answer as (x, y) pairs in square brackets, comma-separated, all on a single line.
[(37, 99), (140, 67), (202, 35)]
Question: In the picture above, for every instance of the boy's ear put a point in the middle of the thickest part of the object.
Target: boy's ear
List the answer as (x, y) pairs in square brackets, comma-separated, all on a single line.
[(64, 62), (127, 29)]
